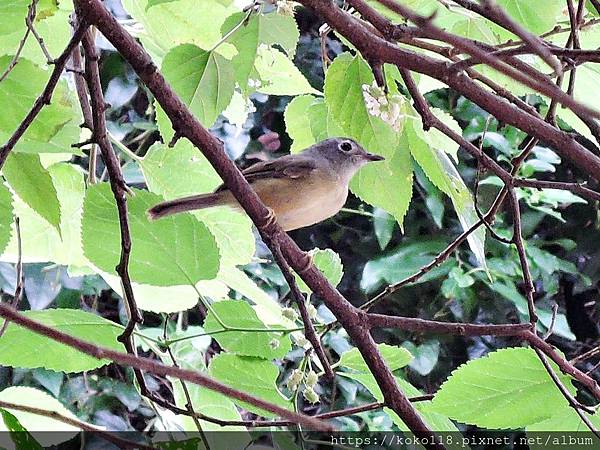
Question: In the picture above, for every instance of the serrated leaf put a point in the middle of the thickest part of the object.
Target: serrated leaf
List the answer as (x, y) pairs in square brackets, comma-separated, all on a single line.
[(564, 419), (172, 23), (330, 265), (505, 390), (441, 172), (203, 80), (252, 375), (239, 314), (279, 75), (386, 184), (383, 225), (528, 14), (395, 357), (55, 127), (297, 122), (33, 184), (28, 396), (402, 262), (175, 250), (40, 240), (181, 298), (12, 15), (21, 438), (6, 217), (20, 347), (232, 228), (260, 29)]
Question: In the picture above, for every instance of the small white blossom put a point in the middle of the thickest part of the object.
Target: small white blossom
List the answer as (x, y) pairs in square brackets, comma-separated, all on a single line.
[(254, 84), (310, 395), (311, 379), (286, 7), (294, 380), (379, 105)]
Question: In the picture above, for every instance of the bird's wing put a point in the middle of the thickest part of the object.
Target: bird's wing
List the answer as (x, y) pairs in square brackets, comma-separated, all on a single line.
[(289, 166)]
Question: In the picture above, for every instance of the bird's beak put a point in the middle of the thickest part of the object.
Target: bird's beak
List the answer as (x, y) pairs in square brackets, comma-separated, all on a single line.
[(373, 157)]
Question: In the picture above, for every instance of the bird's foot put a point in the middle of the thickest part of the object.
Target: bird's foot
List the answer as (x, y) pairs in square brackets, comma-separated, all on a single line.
[(269, 221)]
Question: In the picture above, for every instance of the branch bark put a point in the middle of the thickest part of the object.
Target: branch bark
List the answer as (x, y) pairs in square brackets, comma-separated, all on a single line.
[(186, 125), (152, 366)]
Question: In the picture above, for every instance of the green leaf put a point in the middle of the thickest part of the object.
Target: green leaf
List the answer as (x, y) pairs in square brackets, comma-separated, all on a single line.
[(33, 184), (564, 419), (215, 405), (12, 15), (437, 139), (203, 80), (21, 438), (6, 217), (260, 29), (267, 308), (28, 396), (183, 297), (425, 356), (54, 30), (441, 172), (279, 75), (41, 242), (239, 314), (322, 124), (251, 375), (152, 3), (20, 347), (55, 127), (172, 23), (232, 228), (402, 262), (330, 265), (172, 251), (505, 389), (297, 122), (395, 357), (386, 184), (383, 224), (528, 14)]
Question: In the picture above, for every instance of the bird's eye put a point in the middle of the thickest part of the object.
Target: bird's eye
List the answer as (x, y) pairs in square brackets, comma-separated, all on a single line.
[(345, 146)]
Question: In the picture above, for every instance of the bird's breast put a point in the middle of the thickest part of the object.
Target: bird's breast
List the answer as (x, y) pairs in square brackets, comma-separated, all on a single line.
[(298, 203)]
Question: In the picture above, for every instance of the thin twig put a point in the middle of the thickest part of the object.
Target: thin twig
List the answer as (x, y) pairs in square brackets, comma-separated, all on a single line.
[(100, 431), (579, 408), (157, 368), (309, 329), (46, 95), (15, 59), (20, 279)]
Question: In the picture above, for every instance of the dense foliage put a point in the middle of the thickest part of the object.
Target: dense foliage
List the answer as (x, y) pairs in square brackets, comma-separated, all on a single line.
[(268, 79)]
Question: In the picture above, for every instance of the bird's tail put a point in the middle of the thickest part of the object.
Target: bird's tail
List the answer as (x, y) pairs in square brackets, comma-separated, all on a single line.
[(189, 204)]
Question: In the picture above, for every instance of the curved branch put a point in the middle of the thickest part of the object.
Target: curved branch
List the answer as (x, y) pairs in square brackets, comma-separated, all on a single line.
[(152, 366), (46, 95)]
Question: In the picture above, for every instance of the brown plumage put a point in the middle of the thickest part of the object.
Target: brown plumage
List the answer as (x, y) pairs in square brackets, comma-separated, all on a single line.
[(301, 189)]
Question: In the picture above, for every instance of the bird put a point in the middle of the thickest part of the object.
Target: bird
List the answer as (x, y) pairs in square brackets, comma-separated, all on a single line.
[(300, 189)]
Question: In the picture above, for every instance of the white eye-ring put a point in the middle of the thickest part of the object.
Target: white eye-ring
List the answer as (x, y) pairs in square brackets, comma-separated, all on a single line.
[(346, 146)]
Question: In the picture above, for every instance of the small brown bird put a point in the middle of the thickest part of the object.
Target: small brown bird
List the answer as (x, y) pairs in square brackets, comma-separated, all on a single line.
[(301, 189)]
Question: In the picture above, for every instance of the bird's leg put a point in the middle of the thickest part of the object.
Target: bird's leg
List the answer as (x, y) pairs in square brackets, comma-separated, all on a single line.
[(268, 222), (307, 261)]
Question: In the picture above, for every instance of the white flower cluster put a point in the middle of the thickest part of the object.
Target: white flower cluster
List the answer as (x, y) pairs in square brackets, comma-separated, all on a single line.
[(286, 7), (389, 109)]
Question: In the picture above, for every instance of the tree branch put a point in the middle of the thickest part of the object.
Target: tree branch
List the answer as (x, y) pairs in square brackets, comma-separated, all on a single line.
[(46, 95), (186, 125), (152, 366)]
